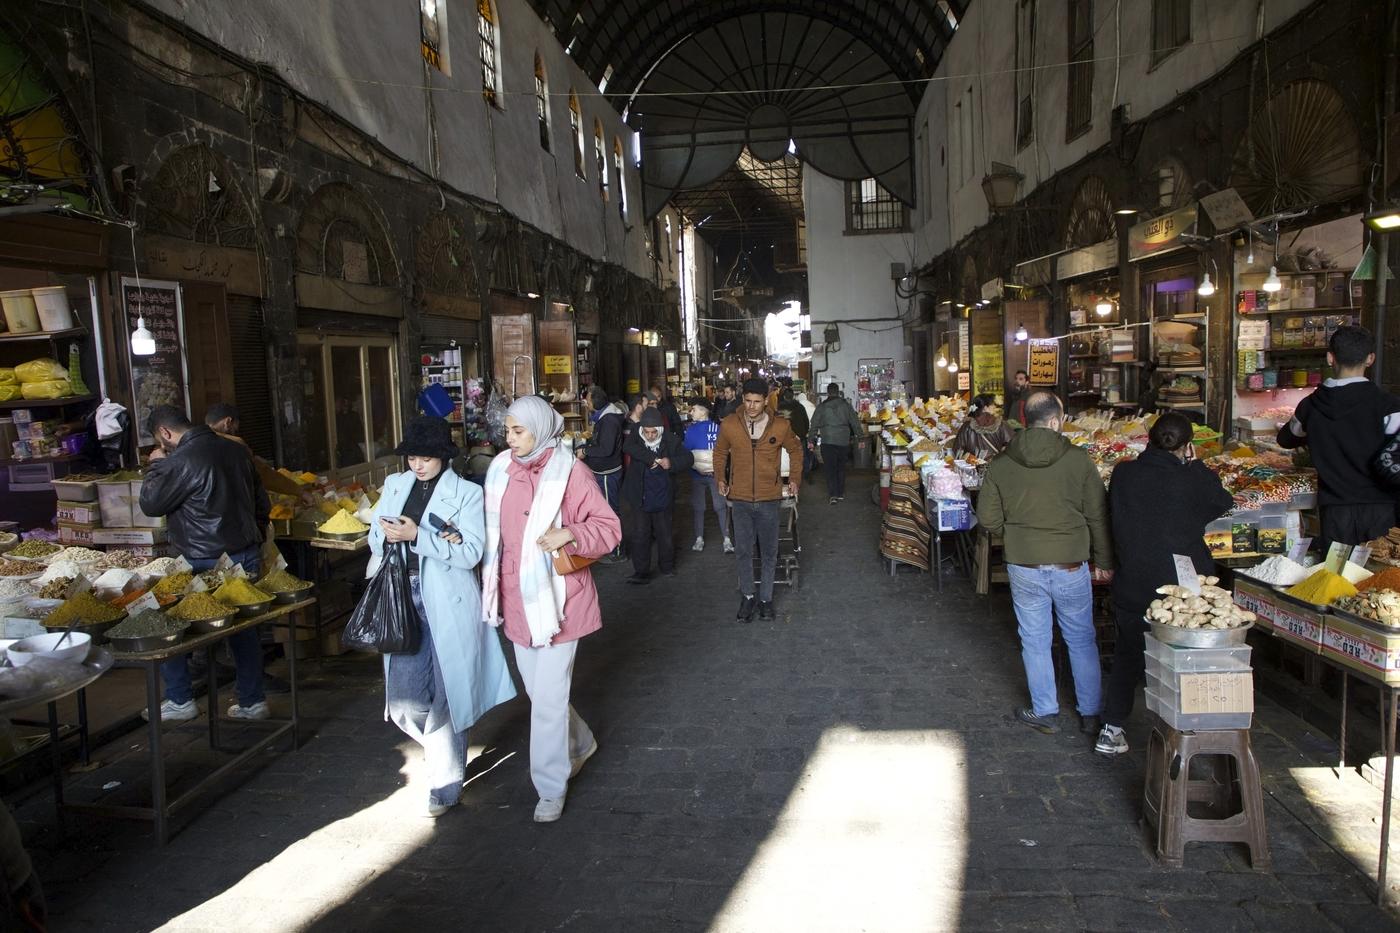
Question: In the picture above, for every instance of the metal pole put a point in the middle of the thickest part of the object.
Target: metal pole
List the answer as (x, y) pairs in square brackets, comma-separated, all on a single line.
[(1388, 740)]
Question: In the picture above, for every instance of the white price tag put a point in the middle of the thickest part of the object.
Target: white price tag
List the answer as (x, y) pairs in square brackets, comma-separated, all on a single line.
[(147, 601), (1360, 554), (1299, 550), (1337, 556), (1186, 573)]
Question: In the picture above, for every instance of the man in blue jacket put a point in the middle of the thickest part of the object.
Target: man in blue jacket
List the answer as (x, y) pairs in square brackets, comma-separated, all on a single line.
[(700, 437)]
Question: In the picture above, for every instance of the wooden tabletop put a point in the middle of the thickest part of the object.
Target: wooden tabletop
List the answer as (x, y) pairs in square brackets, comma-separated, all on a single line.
[(204, 639)]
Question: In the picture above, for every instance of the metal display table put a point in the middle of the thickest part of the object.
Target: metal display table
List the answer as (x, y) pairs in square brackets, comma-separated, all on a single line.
[(161, 808)]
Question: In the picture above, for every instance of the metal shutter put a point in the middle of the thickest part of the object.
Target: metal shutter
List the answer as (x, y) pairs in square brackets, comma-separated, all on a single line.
[(438, 330), (251, 388)]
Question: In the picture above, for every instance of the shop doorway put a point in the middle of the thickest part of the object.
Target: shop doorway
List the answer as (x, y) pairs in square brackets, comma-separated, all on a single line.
[(350, 410)]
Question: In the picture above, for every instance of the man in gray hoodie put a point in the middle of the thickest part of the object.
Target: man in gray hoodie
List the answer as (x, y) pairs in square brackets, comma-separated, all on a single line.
[(835, 426)]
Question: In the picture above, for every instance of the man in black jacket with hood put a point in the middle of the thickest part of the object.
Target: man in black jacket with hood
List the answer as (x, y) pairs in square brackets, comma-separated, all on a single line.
[(649, 487), (1344, 424)]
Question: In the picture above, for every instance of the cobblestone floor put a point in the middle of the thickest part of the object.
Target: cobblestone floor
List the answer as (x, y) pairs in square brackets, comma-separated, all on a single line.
[(852, 766)]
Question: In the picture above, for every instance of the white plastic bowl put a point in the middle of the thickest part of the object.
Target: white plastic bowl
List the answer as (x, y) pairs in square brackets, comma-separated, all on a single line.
[(75, 649)]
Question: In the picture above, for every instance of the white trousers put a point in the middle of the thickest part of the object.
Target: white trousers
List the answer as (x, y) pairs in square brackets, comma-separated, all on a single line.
[(557, 733)]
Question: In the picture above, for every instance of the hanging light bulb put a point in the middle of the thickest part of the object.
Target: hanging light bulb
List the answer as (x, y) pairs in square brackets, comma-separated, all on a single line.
[(1022, 335), (1103, 308), (1273, 283), (942, 361), (952, 366), (1206, 288), (143, 342)]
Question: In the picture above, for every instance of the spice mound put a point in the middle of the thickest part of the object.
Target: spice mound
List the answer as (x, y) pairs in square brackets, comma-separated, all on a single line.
[(149, 623), (199, 607), (55, 589), (1211, 608), (32, 549), (1388, 579), (79, 555), (280, 581), (15, 589), (173, 585), (160, 567), (17, 568), (1323, 588), (1278, 571), (343, 523), (121, 559), (237, 591), (84, 607)]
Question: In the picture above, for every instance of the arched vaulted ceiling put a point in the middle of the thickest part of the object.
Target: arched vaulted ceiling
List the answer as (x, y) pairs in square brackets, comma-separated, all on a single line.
[(841, 78)]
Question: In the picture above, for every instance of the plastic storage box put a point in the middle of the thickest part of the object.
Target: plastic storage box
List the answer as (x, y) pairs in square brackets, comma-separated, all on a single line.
[(1197, 660)]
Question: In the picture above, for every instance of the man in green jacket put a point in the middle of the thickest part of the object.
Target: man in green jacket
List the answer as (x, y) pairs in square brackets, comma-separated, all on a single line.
[(1045, 498), (835, 426)]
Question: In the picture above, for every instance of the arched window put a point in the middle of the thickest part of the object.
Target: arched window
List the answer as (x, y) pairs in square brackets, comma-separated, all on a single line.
[(621, 186), (600, 158), (576, 131), (490, 64), (542, 102)]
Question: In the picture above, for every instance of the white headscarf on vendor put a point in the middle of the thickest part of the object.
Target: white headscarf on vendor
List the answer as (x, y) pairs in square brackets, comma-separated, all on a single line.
[(538, 417)]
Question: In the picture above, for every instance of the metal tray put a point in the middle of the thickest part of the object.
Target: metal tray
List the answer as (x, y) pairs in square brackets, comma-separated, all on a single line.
[(341, 535), (145, 643), (1199, 637), (254, 609), (98, 630), (1312, 607), (205, 626), (294, 596), (1371, 624)]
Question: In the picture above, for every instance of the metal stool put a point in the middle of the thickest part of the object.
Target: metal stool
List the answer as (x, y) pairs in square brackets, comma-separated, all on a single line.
[(1233, 788)]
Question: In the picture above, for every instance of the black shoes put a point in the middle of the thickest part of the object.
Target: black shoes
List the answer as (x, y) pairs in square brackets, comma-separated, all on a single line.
[(1049, 725), (747, 604), (640, 579), (765, 611), (1089, 725)]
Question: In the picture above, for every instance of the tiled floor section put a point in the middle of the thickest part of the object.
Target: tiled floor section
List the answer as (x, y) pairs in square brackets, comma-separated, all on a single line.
[(851, 766)]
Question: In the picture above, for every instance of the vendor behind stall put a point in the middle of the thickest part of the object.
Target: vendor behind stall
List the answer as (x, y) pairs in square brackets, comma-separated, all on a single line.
[(223, 419), (984, 434), (216, 505)]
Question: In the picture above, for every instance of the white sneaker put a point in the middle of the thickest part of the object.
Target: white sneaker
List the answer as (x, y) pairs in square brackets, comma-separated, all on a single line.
[(728, 546), (699, 545), (258, 710), (576, 764), (174, 712), (433, 810), (549, 809)]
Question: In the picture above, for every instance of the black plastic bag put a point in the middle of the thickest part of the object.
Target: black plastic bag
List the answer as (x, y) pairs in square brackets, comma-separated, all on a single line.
[(385, 619)]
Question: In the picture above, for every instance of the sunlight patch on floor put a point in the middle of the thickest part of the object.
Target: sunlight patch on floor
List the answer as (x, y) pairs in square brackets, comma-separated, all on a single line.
[(324, 869), (1346, 811), (873, 837)]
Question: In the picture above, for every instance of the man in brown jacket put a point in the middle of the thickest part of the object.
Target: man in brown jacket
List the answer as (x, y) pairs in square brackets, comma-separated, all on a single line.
[(748, 468)]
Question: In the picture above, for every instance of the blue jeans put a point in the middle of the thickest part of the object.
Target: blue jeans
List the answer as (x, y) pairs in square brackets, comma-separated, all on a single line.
[(416, 697), (700, 483), (1042, 595), (246, 647), (756, 525)]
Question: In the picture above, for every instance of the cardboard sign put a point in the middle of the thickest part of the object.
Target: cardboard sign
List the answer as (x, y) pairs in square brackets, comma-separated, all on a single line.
[(1044, 362), (1337, 556), (1186, 573), (557, 365), (147, 601), (1360, 554), (1299, 549), (964, 381)]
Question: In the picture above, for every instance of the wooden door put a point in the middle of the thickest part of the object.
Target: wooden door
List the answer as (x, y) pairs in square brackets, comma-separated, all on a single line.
[(208, 348)]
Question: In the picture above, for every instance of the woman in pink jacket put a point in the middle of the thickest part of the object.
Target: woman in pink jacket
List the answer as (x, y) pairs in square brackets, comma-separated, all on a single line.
[(540, 500)]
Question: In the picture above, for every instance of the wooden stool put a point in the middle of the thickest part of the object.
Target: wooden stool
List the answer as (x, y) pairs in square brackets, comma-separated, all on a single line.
[(1234, 784)]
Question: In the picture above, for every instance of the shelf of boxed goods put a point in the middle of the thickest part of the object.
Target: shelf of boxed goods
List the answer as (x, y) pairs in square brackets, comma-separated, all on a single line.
[(63, 459)]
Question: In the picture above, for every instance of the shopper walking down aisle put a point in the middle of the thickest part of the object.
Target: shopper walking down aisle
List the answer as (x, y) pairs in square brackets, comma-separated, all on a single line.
[(540, 502), (748, 471), (1344, 424), (1159, 504), (458, 672), (603, 453), (657, 458), (208, 487), (835, 426), (1045, 498), (700, 437)]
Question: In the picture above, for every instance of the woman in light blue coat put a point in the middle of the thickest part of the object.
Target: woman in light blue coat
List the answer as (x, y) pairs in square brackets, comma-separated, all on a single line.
[(459, 671)]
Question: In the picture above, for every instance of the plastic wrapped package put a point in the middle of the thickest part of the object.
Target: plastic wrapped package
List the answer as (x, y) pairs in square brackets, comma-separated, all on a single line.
[(40, 370)]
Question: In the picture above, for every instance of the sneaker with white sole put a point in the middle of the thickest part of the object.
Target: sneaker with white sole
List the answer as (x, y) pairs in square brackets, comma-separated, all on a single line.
[(549, 809), (258, 710), (434, 809), (170, 711), (1111, 741), (576, 764), (699, 545), (728, 546)]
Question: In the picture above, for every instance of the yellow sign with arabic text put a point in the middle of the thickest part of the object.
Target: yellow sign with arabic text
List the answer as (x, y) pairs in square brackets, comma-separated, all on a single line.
[(557, 365), (1044, 365), (988, 372)]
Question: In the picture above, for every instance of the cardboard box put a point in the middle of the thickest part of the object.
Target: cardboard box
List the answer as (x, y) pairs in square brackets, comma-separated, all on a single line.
[(1217, 692), (1362, 647), (70, 491), (78, 513), (146, 551), (1301, 626), (127, 536), (69, 533)]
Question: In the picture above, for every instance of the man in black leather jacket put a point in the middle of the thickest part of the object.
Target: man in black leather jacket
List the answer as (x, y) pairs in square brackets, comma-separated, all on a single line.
[(208, 489)]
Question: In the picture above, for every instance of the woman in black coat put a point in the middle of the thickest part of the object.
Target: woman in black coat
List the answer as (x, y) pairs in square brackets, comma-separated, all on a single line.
[(1159, 505)]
